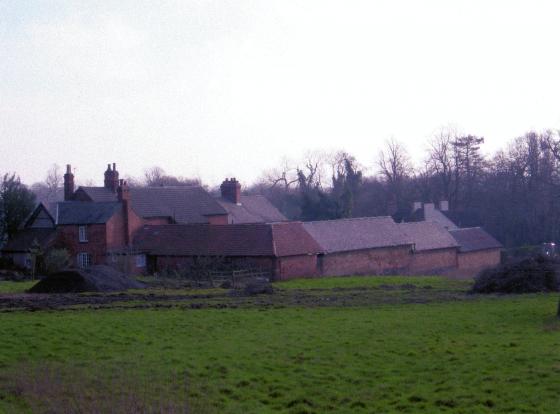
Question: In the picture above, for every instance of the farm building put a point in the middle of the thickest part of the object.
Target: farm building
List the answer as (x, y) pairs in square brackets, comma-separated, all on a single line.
[(154, 228), (369, 245), (282, 250), (477, 249), (435, 250)]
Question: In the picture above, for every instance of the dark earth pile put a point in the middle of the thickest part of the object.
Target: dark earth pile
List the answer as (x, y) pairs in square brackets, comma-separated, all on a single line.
[(96, 279), (535, 274)]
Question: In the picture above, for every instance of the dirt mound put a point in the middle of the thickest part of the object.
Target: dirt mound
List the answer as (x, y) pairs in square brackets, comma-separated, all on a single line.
[(535, 274), (95, 279)]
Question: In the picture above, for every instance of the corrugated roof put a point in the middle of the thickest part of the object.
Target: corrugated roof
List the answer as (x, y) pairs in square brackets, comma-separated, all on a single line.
[(428, 235), (85, 212), (183, 204), (253, 209), (473, 239), (24, 239), (356, 234), (280, 239)]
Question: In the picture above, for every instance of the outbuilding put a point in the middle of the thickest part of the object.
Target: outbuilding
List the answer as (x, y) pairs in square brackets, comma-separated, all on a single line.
[(368, 245)]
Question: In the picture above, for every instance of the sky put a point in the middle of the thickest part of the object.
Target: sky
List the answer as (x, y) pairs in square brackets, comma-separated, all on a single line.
[(215, 89)]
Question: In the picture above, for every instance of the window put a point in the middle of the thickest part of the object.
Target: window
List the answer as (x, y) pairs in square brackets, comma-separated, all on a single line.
[(82, 233), (140, 260), (84, 260)]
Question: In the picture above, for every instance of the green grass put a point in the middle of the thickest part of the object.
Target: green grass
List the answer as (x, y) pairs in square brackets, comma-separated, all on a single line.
[(15, 287), (375, 281), (484, 355)]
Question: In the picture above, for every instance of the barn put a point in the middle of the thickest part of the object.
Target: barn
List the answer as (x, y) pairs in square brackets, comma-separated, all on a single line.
[(435, 250), (478, 249), (283, 250), (368, 245)]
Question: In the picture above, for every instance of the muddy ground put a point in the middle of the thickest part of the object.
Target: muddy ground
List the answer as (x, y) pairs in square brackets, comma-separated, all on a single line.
[(222, 298)]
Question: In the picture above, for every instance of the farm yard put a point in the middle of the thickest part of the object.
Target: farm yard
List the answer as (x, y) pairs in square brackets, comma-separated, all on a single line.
[(344, 345)]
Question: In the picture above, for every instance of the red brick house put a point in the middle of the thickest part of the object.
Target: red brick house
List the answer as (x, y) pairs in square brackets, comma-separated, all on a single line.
[(182, 204), (284, 250), (368, 245), (96, 224)]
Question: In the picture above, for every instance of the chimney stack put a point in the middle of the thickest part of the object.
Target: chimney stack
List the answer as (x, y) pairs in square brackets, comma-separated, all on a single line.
[(111, 181), (68, 183), (231, 191), (123, 192), (123, 195)]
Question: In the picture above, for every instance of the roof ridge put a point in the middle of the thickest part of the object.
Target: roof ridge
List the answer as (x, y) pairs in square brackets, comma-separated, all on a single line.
[(351, 219)]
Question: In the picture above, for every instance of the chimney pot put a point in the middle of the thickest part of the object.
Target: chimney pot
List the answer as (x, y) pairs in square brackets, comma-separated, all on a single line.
[(114, 166)]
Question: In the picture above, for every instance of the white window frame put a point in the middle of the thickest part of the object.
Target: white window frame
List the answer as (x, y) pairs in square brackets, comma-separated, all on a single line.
[(82, 234), (84, 260), (140, 260)]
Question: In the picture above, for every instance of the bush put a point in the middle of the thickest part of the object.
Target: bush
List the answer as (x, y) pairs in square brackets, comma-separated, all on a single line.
[(56, 260), (535, 274)]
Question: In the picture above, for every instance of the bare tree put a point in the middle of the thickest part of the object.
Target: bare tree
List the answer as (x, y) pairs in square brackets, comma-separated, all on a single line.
[(284, 176), (53, 181), (156, 177), (394, 163), (440, 159), (395, 167)]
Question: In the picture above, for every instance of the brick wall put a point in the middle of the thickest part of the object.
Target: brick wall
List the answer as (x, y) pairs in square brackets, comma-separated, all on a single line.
[(182, 262), (373, 261), (220, 219), (431, 261), (479, 260), (153, 221), (67, 237), (296, 266)]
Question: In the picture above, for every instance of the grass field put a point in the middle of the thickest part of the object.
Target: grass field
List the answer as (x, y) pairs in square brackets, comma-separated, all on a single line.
[(475, 355)]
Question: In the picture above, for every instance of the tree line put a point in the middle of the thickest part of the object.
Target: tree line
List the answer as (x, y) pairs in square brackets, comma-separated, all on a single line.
[(514, 194)]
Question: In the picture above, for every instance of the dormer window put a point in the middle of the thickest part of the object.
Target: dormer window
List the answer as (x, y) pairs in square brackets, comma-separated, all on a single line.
[(82, 234)]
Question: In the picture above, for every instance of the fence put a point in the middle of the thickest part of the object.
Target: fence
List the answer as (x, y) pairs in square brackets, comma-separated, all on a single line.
[(236, 278)]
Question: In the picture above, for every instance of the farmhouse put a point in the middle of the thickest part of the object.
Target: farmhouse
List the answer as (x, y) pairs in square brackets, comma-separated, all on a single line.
[(96, 224), (369, 245), (180, 204)]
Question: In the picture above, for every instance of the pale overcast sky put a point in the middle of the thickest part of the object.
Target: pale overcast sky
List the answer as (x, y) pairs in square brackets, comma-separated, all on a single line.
[(226, 88)]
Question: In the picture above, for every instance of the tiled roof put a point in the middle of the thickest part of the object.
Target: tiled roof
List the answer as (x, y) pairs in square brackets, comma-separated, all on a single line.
[(433, 214), (356, 234), (473, 239), (280, 239), (253, 209), (183, 204), (24, 239), (428, 235), (85, 212)]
